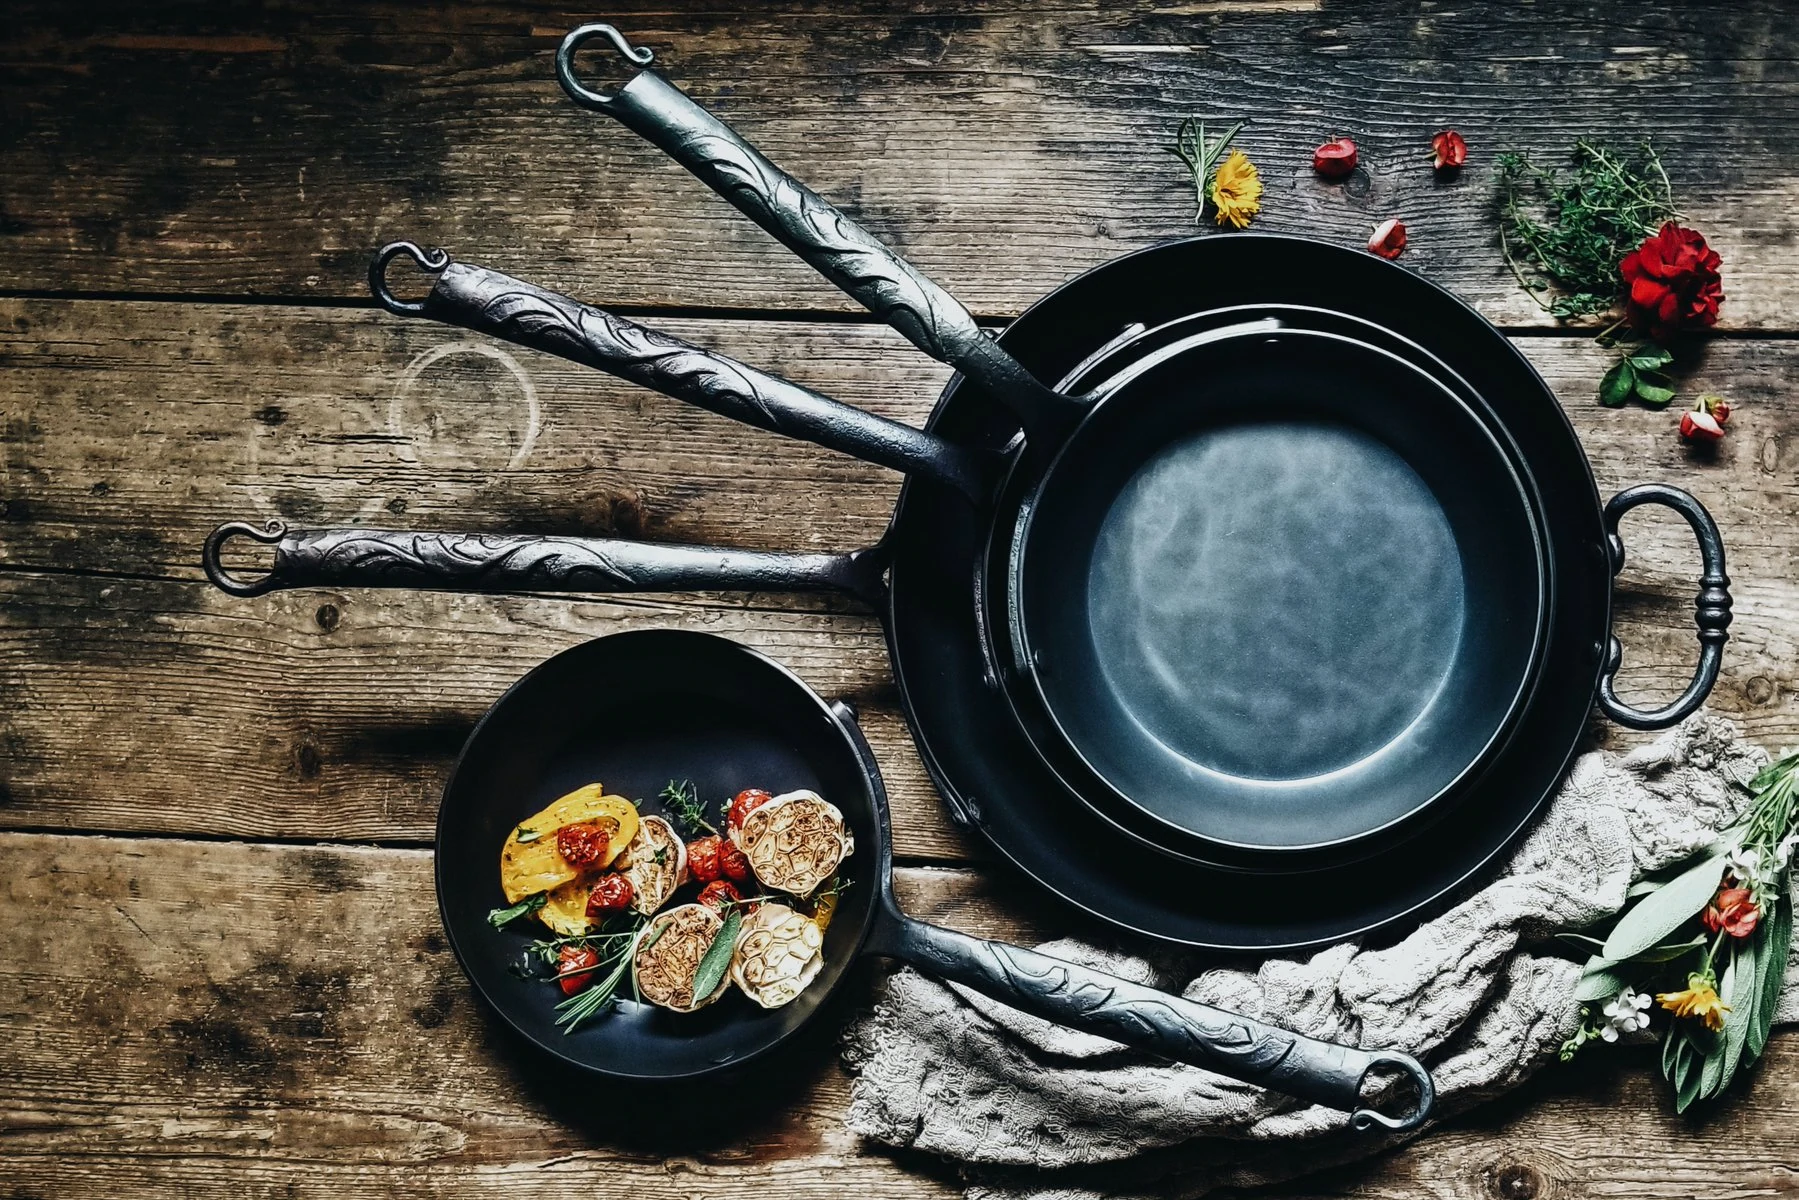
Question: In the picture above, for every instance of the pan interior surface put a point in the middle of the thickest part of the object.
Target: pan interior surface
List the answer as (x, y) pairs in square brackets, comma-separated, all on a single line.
[(632, 711), (1283, 592)]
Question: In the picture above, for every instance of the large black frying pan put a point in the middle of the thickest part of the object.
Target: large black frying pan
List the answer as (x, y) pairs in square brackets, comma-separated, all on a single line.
[(1393, 538), (706, 708)]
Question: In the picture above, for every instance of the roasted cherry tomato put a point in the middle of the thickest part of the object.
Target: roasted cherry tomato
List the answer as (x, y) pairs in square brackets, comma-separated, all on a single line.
[(744, 803), (702, 858), (576, 958), (715, 894), (612, 893), (584, 844), (733, 865)]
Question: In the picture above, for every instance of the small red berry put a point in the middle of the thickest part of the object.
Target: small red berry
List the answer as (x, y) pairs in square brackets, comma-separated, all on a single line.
[(1335, 159)]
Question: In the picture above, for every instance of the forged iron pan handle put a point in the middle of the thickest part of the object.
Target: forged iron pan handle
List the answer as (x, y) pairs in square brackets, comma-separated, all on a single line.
[(1145, 1019), (469, 562), (1711, 608), (490, 302), (839, 249)]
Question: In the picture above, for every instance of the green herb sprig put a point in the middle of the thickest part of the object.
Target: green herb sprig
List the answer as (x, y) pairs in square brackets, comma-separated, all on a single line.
[(682, 801), (500, 917), (1737, 975), (1201, 156), (1566, 233)]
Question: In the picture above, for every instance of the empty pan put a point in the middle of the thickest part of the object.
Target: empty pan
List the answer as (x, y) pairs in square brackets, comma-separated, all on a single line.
[(724, 715)]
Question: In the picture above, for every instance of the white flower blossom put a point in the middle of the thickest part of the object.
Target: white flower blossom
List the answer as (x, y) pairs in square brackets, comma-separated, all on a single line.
[(1625, 1013), (1744, 862)]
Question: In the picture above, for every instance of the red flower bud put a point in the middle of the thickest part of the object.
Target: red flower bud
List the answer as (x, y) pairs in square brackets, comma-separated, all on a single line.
[(1451, 150), (1389, 238), (1717, 406), (1732, 911), (1700, 427), (1335, 159)]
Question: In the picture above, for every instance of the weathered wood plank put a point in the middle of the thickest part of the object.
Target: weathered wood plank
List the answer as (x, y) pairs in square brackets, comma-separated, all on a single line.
[(267, 149), (255, 1021), (130, 429)]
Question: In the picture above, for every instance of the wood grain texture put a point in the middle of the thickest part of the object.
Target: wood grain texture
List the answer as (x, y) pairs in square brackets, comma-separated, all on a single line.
[(132, 428), (267, 149), (247, 1021)]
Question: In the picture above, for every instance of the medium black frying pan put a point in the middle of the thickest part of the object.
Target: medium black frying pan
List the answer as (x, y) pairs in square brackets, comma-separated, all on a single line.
[(633, 709)]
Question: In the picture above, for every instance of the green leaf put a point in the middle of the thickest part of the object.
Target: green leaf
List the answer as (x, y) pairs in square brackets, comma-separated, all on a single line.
[(1653, 394), (1772, 961), (528, 835), (1690, 1069), (1642, 887), (1770, 774), (1599, 981), (1671, 1043), (1742, 985), (1669, 951), (718, 955), (1650, 358), (1618, 383), (1666, 909), (530, 904)]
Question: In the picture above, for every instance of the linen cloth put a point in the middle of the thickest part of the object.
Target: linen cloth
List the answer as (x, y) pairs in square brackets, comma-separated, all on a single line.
[(1482, 994)]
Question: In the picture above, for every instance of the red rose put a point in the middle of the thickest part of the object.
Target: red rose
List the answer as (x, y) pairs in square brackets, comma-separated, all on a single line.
[(1674, 282), (1388, 238), (1451, 150), (1335, 159), (1700, 426), (1732, 911)]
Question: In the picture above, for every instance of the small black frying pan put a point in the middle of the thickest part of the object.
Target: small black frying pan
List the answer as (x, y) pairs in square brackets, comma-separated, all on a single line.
[(633, 709)]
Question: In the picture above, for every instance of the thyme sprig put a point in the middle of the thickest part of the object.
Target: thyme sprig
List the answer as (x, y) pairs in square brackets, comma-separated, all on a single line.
[(1566, 233), (682, 800)]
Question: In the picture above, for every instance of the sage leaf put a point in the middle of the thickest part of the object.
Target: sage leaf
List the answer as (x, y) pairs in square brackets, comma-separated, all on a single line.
[(1742, 986), (1581, 939), (1618, 383), (1665, 910), (1690, 1070), (501, 916), (1671, 1044), (718, 955), (1600, 981), (1642, 887), (1669, 951), (1772, 963)]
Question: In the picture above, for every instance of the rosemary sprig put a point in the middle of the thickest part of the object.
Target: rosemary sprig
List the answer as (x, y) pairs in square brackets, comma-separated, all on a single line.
[(1201, 157), (682, 801)]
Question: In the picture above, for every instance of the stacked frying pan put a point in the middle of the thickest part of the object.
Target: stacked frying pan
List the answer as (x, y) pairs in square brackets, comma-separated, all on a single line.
[(1247, 591)]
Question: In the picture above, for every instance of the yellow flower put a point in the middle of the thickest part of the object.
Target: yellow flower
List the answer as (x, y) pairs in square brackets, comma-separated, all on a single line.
[(1236, 190), (1699, 999)]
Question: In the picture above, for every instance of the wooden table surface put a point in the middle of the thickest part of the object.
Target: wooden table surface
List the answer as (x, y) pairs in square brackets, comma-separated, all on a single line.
[(221, 972)]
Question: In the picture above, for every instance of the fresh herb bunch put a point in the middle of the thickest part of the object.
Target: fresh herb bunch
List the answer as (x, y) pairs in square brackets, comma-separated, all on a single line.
[(1568, 233), (613, 946), (1722, 927)]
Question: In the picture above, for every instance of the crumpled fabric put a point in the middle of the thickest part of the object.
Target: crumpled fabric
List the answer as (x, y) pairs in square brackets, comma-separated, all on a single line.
[(1481, 994)]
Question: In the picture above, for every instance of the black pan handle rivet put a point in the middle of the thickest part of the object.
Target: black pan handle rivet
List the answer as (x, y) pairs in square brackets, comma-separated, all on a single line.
[(1711, 608), (571, 45)]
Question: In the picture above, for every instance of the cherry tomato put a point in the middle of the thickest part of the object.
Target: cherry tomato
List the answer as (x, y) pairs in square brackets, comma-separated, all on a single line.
[(715, 894), (702, 858), (611, 893), (733, 865), (744, 803), (576, 958), (584, 844)]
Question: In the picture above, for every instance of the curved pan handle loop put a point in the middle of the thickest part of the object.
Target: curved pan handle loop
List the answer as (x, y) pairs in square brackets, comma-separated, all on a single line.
[(470, 562), (1711, 607), (493, 303), (839, 249), (1159, 1023)]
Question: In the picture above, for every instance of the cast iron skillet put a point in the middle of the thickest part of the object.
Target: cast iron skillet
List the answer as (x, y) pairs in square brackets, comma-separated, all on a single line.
[(707, 708), (1288, 509), (1164, 623)]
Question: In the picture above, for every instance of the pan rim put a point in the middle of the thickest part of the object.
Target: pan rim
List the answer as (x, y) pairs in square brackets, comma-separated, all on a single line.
[(877, 797), (1018, 606), (1575, 533)]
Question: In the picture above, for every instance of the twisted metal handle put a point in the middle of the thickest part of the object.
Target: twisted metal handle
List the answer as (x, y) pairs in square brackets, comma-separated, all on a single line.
[(1711, 608), (490, 302), (1145, 1019), (518, 563), (838, 248)]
